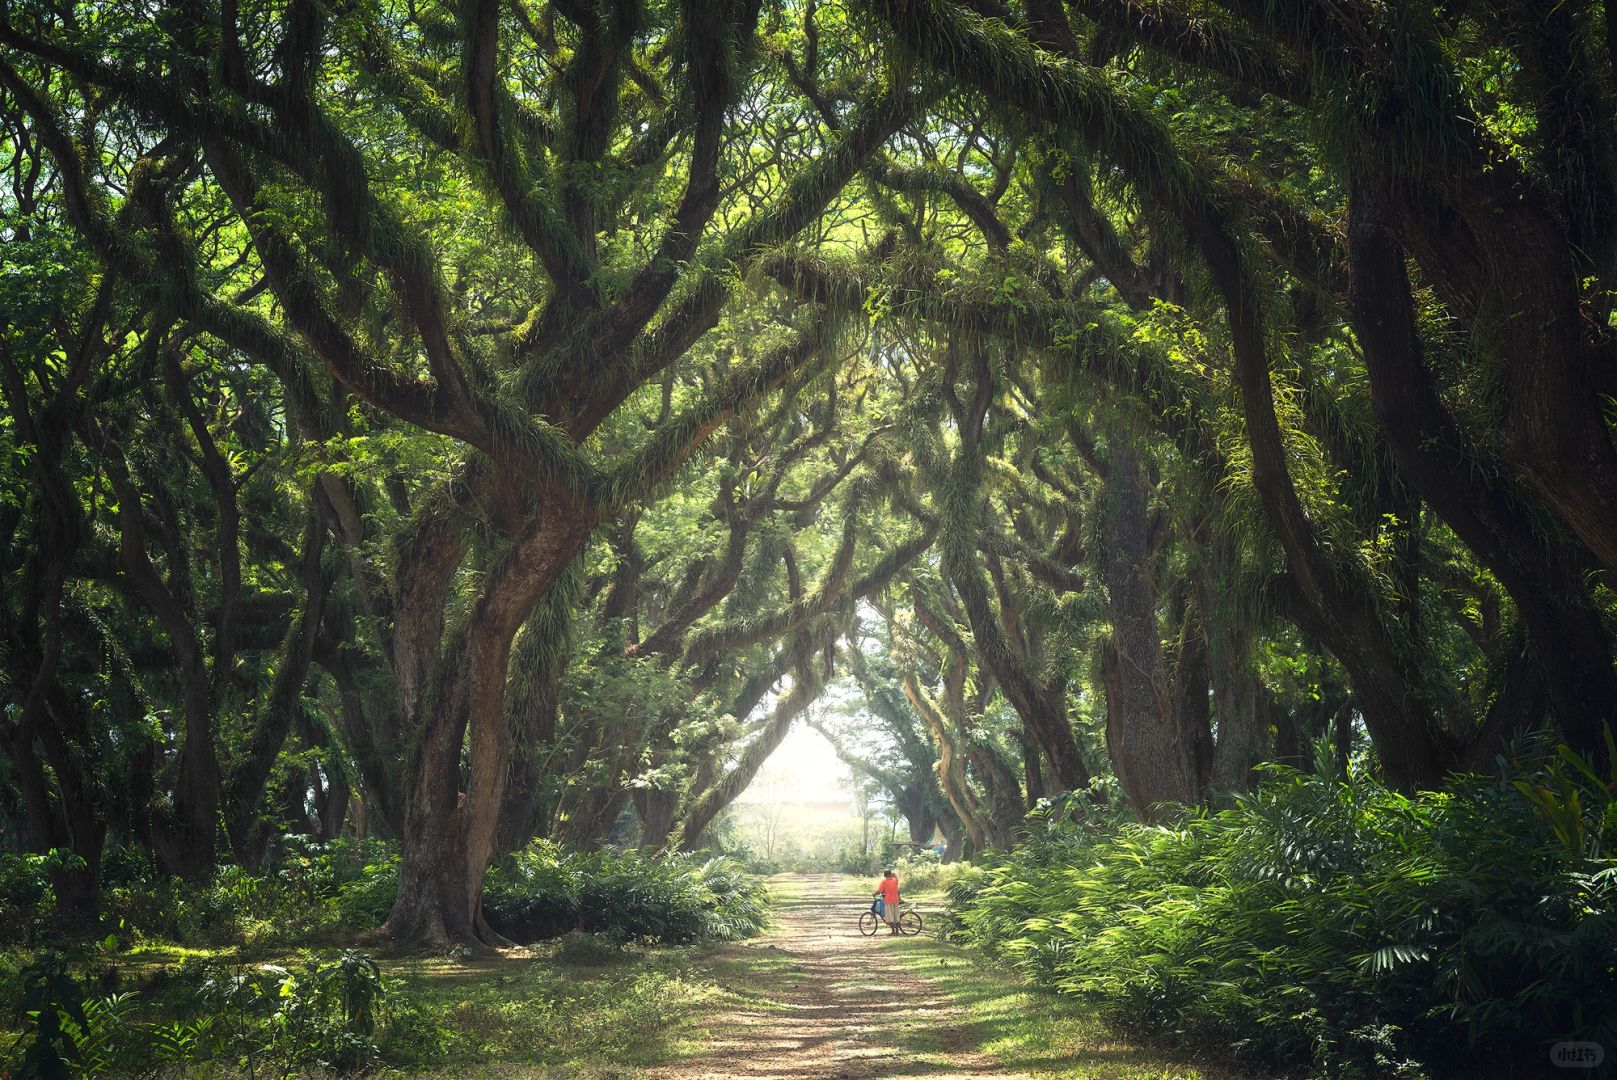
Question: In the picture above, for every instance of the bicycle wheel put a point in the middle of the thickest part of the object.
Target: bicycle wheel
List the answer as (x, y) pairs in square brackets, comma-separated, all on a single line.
[(909, 923), (868, 923)]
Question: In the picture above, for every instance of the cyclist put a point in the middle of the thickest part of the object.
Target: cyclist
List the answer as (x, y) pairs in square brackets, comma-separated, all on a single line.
[(888, 891)]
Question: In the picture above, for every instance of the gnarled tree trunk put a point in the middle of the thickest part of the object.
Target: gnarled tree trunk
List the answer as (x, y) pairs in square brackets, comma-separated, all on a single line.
[(449, 837)]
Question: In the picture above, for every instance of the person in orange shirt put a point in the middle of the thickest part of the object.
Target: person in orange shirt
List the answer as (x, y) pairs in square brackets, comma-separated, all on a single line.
[(888, 892)]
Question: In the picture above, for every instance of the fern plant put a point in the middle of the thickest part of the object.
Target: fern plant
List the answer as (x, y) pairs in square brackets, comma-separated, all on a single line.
[(51, 1009), (1334, 926)]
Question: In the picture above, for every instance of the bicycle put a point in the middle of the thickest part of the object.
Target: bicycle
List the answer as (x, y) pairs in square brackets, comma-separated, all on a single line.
[(909, 921)]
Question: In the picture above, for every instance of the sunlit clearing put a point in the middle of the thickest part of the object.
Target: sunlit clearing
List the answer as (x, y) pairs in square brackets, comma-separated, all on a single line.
[(804, 769)]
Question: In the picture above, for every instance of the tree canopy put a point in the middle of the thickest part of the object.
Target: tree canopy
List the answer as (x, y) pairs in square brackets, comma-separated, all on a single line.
[(472, 421)]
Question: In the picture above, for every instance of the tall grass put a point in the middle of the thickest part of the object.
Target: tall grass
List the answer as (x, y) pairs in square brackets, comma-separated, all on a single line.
[(1337, 927)]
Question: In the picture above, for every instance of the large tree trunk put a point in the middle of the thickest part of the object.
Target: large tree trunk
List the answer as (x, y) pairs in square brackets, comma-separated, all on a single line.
[(588, 817), (919, 819), (533, 707), (1556, 430), (64, 807), (71, 821), (80, 812), (1031, 768), (449, 836), (449, 833), (185, 837), (1546, 580), (954, 839), (28, 773), (1241, 709), (1041, 705), (1005, 806), (1189, 684), (1291, 743), (1240, 702), (605, 756), (1339, 609), (332, 801), (1154, 742), (379, 762), (433, 905), (950, 768), (656, 809)]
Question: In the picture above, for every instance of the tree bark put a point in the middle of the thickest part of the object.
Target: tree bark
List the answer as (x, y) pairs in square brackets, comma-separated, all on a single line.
[(1005, 808), (1154, 742), (1031, 769), (1545, 579), (919, 820), (950, 768), (449, 833), (1342, 615), (1240, 702), (1041, 705), (185, 839), (657, 810)]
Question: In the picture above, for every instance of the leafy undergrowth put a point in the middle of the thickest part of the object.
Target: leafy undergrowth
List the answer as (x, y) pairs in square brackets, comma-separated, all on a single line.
[(579, 1005), (1332, 928), (628, 896), (311, 892), (926, 874), (246, 975)]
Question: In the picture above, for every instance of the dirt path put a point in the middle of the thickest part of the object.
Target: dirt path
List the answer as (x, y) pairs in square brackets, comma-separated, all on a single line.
[(822, 1001)]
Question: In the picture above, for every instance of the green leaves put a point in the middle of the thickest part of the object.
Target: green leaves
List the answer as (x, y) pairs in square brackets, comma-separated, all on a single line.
[(51, 1004), (1324, 925), (1578, 804), (674, 899)]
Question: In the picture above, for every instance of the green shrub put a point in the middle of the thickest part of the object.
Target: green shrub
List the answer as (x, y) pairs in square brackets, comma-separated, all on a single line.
[(310, 888), (925, 871), (25, 896), (153, 909), (416, 1034), (264, 1019), (25, 882), (289, 1019), (315, 872), (852, 859), (51, 1009), (365, 901), (578, 949), (545, 892), (1344, 928)]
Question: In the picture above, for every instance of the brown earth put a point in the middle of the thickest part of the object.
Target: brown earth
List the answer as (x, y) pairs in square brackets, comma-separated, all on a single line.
[(820, 1000)]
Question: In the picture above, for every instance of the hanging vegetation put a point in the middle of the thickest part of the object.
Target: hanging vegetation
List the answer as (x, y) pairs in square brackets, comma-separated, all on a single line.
[(470, 425)]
